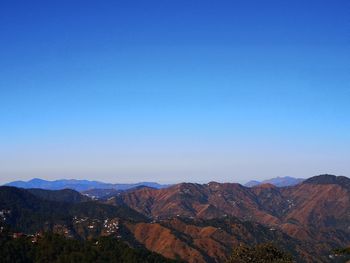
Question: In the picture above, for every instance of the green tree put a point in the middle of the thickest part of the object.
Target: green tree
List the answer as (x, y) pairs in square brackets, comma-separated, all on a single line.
[(54, 248), (262, 253)]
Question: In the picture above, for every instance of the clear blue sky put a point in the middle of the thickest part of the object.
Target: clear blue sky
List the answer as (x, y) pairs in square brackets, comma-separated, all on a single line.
[(172, 90)]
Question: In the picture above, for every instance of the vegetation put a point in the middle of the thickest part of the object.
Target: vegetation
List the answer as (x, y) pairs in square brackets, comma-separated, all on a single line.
[(342, 251), (30, 213), (65, 195), (340, 255), (262, 253), (57, 249)]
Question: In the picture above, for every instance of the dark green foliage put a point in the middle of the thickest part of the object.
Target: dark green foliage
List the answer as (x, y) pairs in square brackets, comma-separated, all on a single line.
[(57, 249), (342, 251), (95, 209), (262, 253), (65, 195), (340, 255), (29, 213), (15, 251)]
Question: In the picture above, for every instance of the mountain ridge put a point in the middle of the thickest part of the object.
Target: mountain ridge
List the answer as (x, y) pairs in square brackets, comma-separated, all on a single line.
[(277, 181), (329, 179), (315, 211), (192, 240), (198, 223), (78, 185)]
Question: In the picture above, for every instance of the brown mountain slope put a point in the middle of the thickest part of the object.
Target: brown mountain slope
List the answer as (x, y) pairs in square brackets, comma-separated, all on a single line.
[(207, 201), (324, 204), (316, 211), (321, 205), (162, 240), (200, 241), (320, 212)]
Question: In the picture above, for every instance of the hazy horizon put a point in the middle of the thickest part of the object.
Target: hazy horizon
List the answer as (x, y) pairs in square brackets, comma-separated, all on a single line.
[(174, 91), (132, 182), (244, 181)]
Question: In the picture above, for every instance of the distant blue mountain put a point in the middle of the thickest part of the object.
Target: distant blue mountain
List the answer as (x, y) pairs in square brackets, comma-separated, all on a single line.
[(252, 183), (278, 181), (79, 185)]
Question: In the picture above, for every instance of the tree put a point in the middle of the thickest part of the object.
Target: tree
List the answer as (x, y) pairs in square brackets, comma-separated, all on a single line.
[(262, 253)]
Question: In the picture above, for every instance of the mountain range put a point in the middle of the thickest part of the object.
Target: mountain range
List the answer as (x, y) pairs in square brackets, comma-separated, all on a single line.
[(78, 185), (196, 223), (277, 181), (90, 187)]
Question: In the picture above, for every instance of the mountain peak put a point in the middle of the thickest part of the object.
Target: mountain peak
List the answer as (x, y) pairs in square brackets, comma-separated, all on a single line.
[(328, 179)]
